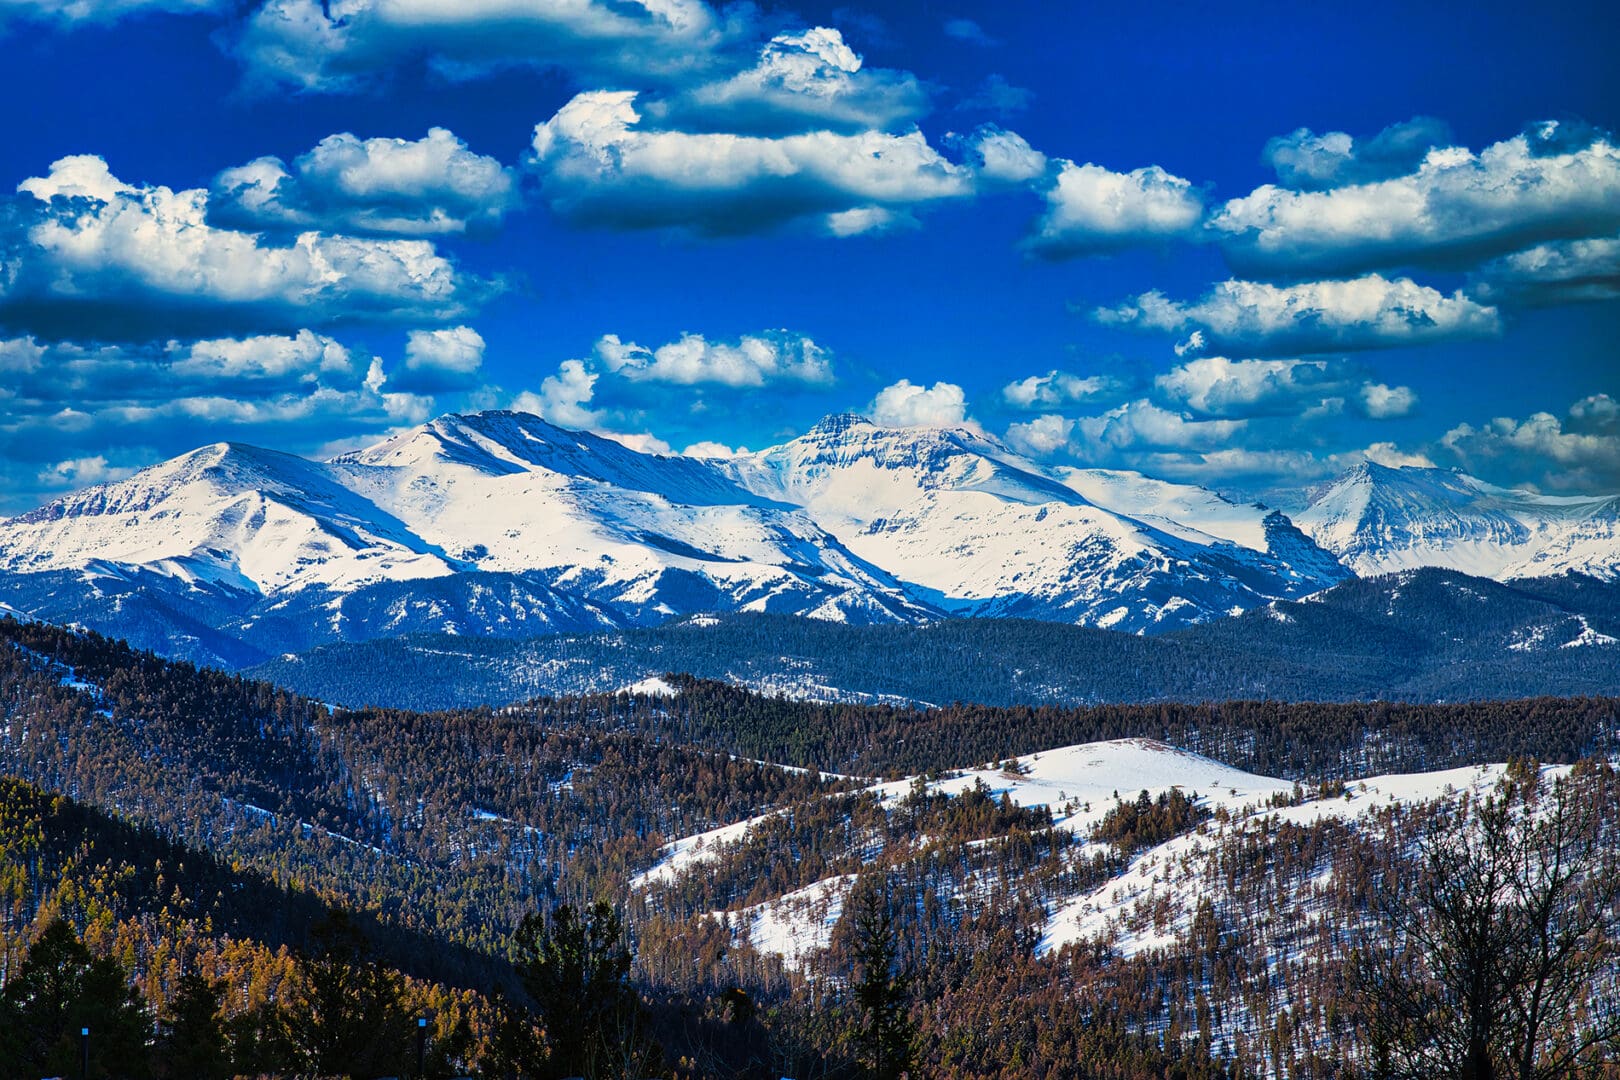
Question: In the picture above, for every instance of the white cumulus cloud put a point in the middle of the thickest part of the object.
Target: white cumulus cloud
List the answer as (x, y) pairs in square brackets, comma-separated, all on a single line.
[(754, 360), (82, 472), (710, 449), (641, 442), (437, 360), (868, 220), (66, 403), (1457, 209), (1381, 401), (1317, 316), (1004, 156), (1093, 211), (346, 45), (305, 354), (1141, 422), (1558, 272), (1056, 388), (906, 404), (802, 81), (425, 187), (565, 398), (1579, 451), (1217, 386), (1041, 436), (1307, 161), (1391, 456), (599, 166), (92, 256)]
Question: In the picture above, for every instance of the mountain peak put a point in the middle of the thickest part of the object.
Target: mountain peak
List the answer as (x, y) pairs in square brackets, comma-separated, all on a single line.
[(1365, 470), (839, 423), (1375, 472), (496, 442), (1379, 519)]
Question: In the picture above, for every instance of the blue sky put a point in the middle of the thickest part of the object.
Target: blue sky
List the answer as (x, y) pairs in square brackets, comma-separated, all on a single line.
[(1244, 247)]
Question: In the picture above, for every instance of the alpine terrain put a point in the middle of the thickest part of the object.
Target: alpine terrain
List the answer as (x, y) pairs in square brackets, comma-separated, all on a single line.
[(502, 524), (1377, 519)]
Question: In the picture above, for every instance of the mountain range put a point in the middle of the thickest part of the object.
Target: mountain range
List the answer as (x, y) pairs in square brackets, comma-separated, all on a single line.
[(1378, 519), (501, 524), (1426, 635)]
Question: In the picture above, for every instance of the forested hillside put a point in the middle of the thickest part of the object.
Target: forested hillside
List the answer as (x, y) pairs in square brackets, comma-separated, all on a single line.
[(453, 824), (1425, 636), (453, 838)]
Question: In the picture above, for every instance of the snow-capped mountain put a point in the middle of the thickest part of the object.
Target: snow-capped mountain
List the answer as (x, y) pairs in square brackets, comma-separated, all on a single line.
[(642, 534), (226, 515), (1204, 517), (1378, 519), (976, 529), (492, 523), (500, 523)]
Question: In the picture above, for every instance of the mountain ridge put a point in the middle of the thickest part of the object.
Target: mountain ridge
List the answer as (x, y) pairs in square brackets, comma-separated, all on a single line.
[(500, 523), (1428, 635), (1378, 519), (583, 532)]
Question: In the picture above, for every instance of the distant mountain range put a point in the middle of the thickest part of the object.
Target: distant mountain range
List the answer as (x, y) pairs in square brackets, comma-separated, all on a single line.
[(1428, 635), (500, 524), (1377, 519)]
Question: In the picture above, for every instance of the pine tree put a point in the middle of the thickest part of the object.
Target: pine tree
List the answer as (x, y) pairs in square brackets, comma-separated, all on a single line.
[(60, 990), (350, 1018), (193, 1042), (885, 1036), (576, 967)]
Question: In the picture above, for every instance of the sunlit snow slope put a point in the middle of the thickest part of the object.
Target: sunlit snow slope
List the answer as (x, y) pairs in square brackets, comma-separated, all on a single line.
[(501, 523), (1378, 519), (978, 530)]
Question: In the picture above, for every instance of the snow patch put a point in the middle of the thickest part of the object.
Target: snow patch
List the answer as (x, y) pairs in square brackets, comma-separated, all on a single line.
[(653, 686)]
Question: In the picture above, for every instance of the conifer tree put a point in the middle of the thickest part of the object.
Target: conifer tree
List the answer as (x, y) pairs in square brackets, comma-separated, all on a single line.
[(885, 1036), (576, 967), (193, 1044), (350, 1018), (58, 991)]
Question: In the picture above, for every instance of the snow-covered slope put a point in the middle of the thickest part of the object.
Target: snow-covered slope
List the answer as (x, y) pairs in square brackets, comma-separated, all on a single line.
[(492, 523), (644, 534), (979, 530), (502, 523), (1205, 517), (1378, 519), (1077, 784), (1176, 868), (1151, 899), (1184, 510)]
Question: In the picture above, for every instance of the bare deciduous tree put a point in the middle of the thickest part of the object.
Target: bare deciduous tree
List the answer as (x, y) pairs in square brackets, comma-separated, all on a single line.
[(1502, 958)]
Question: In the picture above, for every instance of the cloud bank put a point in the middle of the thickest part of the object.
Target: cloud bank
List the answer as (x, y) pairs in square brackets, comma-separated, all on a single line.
[(598, 165), (1260, 319), (86, 255), (432, 186), (341, 46), (1454, 211)]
